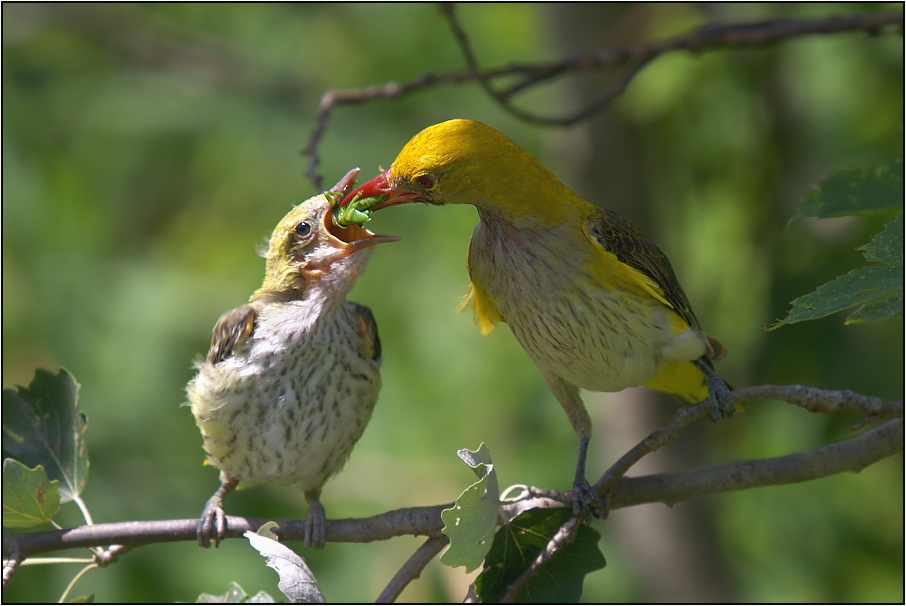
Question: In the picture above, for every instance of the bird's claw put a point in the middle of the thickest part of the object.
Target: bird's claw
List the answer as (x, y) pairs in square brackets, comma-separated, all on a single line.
[(212, 524), (587, 502), (314, 530), (722, 402)]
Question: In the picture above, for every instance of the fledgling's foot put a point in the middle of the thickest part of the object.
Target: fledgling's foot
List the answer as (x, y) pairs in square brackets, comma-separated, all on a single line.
[(587, 502), (315, 526), (212, 523)]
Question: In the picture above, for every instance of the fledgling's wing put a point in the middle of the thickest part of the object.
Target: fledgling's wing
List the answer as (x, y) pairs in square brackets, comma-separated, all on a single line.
[(367, 329), (232, 330)]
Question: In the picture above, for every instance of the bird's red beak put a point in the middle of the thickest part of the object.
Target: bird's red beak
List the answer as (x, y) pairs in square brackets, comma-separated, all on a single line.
[(381, 186)]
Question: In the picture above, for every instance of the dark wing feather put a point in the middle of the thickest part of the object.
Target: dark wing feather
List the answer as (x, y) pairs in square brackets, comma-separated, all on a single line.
[(621, 238), (367, 329), (232, 330)]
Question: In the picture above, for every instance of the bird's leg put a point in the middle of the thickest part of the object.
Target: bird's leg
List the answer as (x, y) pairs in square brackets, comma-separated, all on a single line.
[(722, 404), (585, 500), (315, 521), (212, 524)]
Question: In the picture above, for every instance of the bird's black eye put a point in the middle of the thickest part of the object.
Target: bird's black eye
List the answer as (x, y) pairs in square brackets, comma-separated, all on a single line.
[(424, 181), (303, 229)]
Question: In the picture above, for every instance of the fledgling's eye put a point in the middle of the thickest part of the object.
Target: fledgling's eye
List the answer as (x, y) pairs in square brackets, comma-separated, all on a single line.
[(303, 229), (424, 181)]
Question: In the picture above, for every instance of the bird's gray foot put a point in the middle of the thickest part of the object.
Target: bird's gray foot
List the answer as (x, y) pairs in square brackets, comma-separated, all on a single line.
[(722, 402), (212, 524), (314, 532), (585, 500)]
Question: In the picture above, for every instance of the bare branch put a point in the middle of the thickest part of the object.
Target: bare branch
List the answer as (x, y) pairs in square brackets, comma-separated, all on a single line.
[(852, 454), (632, 58), (827, 401), (413, 521), (412, 569), (812, 399)]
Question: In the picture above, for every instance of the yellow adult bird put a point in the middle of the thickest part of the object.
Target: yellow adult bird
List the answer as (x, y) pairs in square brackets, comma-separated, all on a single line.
[(593, 302)]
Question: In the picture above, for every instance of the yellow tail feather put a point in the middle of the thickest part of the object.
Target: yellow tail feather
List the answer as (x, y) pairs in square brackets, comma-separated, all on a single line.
[(683, 379)]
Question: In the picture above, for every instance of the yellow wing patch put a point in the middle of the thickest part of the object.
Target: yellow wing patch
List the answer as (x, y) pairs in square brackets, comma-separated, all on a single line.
[(619, 270), (486, 313)]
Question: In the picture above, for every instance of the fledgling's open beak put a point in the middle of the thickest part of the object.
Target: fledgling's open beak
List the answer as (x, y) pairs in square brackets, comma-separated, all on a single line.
[(381, 186), (353, 238)]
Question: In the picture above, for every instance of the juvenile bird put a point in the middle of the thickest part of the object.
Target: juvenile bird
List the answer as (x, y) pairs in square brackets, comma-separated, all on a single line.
[(291, 377), (593, 302)]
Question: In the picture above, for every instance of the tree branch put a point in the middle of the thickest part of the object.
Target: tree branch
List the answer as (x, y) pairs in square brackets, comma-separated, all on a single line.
[(852, 454), (632, 58), (412, 568)]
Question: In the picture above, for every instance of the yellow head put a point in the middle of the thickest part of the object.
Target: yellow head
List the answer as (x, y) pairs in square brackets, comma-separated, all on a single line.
[(466, 162)]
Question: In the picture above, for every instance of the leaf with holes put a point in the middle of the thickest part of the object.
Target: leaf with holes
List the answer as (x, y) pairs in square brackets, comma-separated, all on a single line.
[(862, 190), (29, 496), (859, 287), (42, 425), (470, 523), (516, 546)]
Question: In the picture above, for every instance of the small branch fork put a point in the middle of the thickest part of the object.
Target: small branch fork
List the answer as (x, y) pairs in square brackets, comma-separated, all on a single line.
[(631, 58), (852, 454)]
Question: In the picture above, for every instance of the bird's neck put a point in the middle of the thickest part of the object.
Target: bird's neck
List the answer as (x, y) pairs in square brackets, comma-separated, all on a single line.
[(317, 289)]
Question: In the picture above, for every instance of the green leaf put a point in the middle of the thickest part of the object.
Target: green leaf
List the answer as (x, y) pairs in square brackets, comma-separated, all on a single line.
[(29, 496), (885, 308), (235, 595), (887, 246), (82, 599), (42, 425), (877, 290), (518, 543), (296, 580), (858, 287), (471, 522), (856, 191)]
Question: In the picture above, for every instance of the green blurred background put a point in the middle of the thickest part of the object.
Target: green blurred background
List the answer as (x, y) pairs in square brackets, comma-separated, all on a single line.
[(149, 149)]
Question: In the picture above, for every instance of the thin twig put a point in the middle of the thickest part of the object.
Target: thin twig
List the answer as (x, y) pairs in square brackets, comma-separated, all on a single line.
[(42, 561), (11, 565), (632, 58), (563, 537), (75, 580), (412, 568), (658, 438), (84, 509)]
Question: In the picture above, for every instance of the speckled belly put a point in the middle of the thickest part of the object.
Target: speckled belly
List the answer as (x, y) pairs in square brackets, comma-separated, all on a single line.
[(287, 411)]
